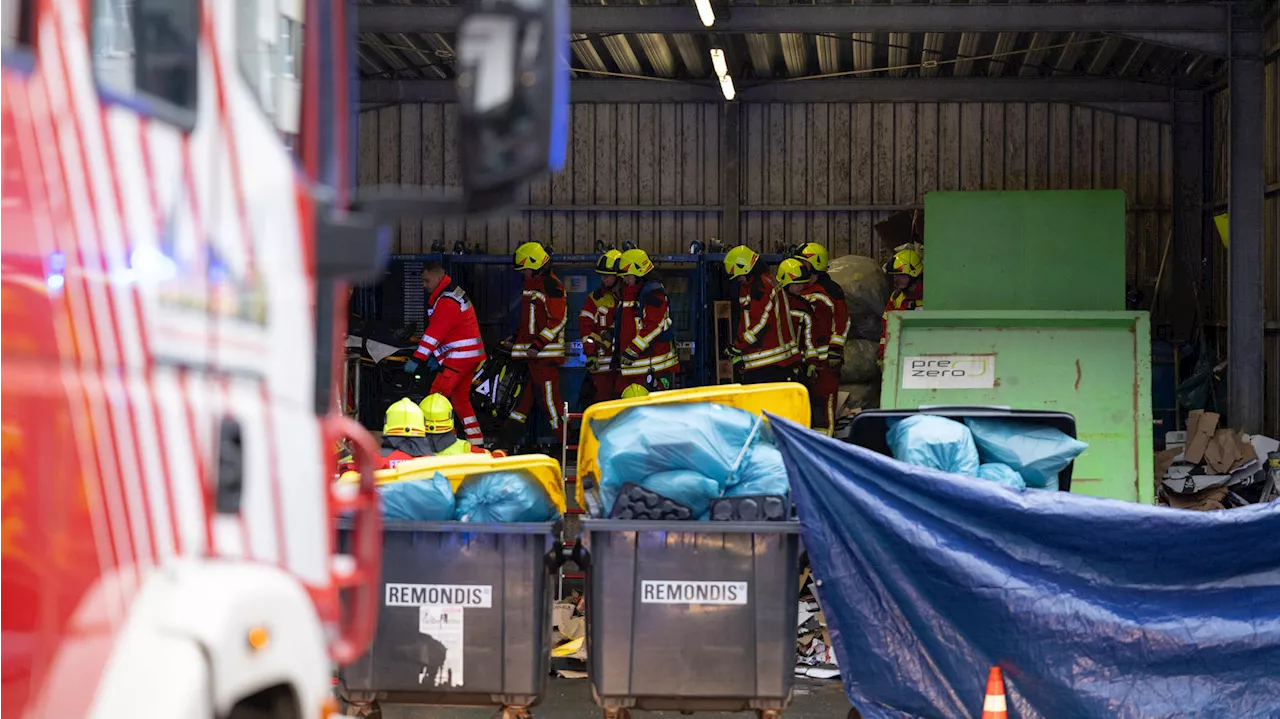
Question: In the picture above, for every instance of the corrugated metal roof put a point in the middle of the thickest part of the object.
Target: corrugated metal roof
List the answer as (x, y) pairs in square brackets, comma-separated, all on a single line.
[(761, 56)]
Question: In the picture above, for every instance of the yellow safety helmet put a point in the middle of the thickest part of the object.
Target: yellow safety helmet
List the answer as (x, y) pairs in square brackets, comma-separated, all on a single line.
[(635, 262), (739, 261), (906, 262), (793, 271), (531, 256), (816, 255), (437, 413), (607, 264), (635, 390), (404, 419)]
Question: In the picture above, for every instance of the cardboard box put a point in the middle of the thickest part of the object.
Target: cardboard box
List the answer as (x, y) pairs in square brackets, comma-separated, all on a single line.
[(1165, 460), (1201, 427), (1202, 501), (1223, 452)]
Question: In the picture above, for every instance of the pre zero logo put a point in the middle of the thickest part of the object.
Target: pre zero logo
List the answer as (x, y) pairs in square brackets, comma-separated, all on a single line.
[(949, 371)]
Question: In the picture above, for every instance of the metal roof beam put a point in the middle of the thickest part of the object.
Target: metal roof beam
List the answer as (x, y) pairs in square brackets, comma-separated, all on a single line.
[(1138, 17), (1130, 93)]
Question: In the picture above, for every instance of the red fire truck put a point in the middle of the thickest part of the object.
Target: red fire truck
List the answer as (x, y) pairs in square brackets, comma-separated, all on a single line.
[(178, 229)]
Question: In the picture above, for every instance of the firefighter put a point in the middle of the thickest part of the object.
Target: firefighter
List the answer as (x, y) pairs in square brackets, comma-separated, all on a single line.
[(906, 272), (814, 313), (830, 294), (403, 434), (539, 338), (437, 417), (831, 317), (646, 343), (451, 345), (595, 327), (766, 343)]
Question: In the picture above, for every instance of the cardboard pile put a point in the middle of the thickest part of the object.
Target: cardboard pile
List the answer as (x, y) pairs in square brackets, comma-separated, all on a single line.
[(1216, 468), (568, 617), (815, 657)]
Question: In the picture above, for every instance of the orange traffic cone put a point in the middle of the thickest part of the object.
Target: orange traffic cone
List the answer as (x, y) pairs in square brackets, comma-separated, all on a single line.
[(994, 706)]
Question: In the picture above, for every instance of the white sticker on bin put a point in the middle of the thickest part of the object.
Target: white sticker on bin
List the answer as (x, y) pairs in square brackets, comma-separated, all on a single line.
[(439, 595), (949, 372), (676, 592)]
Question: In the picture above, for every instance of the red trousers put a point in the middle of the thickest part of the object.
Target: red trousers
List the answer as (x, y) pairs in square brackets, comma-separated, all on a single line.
[(604, 382), (454, 382), (822, 399), (544, 388)]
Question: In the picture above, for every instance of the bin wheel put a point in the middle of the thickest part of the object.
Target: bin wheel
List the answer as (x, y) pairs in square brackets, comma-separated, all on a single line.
[(768, 714), (854, 713), (371, 710), (617, 713), (513, 713)]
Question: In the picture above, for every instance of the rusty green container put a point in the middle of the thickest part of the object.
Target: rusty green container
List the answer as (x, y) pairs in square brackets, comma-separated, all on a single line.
[(1095, 365)]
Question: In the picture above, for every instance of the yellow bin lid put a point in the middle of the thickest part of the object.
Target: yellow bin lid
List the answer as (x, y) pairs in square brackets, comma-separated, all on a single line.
[(785, 399), (457, 467)]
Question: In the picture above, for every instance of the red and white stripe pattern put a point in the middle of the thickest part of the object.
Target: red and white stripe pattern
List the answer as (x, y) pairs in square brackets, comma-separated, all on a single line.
[(149, 383)]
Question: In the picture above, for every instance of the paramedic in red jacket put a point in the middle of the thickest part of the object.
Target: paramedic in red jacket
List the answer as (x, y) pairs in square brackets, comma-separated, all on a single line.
[(766, 342), (539, 337), (595, 327), (646, 352), (451, 342)]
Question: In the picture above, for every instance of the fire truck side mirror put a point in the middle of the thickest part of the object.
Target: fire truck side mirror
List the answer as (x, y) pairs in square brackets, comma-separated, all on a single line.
[(513, 94)]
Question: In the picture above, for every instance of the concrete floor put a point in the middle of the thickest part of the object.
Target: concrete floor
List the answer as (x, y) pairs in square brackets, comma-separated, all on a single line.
[(571, 699)]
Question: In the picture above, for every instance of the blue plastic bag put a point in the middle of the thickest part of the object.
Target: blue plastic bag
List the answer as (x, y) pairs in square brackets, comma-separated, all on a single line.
[(935, 442), (503, 497), (702, 437), (1001, 474), (418, 500), (691, 489), (762, 472), (1034, 451)]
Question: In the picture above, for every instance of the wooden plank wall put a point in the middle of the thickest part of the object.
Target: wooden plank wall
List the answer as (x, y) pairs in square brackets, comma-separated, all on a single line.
[(827, 172), (1218, 314)]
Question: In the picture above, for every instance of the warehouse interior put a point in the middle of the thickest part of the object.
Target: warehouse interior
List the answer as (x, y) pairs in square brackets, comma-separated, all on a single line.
[(845, 114)]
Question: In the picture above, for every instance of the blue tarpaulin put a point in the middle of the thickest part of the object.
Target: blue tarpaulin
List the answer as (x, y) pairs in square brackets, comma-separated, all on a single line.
[(1093, 607)]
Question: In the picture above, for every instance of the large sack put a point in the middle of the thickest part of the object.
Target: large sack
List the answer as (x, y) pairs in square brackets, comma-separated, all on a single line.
[(927, 440), (860, 362), (866, 289), (866, 327), (503, 497), (865, 395)]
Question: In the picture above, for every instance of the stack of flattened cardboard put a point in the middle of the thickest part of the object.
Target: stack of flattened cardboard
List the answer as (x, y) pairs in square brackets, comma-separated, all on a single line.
[(1217, 468), (815, 657), (568, 658)]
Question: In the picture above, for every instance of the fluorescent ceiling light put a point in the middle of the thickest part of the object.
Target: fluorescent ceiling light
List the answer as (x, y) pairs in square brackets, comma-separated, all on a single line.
[(705, 12), (718, 62), (726, 87)]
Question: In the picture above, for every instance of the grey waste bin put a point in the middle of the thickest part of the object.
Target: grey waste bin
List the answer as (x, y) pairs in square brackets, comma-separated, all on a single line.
[(464, 619), (691, 616)]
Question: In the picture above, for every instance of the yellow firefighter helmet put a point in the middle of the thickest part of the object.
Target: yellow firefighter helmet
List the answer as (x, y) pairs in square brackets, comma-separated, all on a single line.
[(437, 413), (404, 419), (531, 256), (635, 390), (906, 262), (608, 263), (794, 271), (816, 255), (635, 262), (739, 261)]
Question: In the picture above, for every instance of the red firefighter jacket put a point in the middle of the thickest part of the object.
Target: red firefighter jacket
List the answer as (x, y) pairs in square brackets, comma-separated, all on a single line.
[(453, 333), (644, 330), (830, 317), (595, 322), (810, 341), (911, 298), (542, 318), (766, 336)]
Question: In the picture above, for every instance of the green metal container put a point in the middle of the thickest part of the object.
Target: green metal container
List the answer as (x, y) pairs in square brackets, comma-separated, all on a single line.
[(1095, 365)]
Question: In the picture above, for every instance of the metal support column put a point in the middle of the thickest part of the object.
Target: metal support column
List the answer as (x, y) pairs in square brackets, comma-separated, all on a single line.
[(1188, 217), (1246, 313), (730, 198)]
